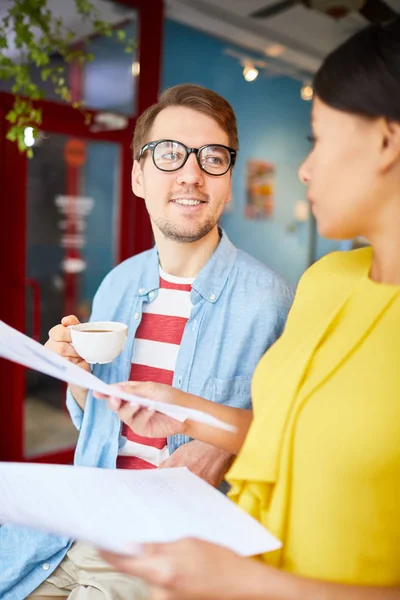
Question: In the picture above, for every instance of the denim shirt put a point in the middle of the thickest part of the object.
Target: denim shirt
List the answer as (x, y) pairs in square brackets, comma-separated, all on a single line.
[(239, 309)]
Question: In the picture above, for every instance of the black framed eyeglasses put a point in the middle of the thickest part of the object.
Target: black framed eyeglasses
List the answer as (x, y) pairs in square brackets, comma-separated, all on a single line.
[(170, 155)]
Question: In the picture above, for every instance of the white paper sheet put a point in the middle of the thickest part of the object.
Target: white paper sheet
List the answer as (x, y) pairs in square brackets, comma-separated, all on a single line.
[(21, 349), (113, 508)]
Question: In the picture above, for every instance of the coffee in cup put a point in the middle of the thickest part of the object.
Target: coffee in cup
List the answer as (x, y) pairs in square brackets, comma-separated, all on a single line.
[(104, 346)]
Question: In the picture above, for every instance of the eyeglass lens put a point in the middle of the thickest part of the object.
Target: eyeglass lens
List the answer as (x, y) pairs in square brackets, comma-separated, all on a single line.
[(169, 156)]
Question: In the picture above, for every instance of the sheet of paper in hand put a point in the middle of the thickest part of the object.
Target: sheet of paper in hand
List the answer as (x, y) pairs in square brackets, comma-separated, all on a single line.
[(113, 508), (21, 349)]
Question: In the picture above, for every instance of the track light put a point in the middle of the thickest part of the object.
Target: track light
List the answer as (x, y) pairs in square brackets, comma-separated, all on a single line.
[(307, 92), (275, 50), (250, 73)]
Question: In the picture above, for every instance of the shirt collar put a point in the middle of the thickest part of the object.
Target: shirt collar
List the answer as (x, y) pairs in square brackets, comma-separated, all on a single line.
[(211, 280), (150, 278)]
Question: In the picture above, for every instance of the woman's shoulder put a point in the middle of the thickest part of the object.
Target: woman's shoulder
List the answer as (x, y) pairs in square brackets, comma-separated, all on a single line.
[(324, 287), (329, 280), (340, 265)]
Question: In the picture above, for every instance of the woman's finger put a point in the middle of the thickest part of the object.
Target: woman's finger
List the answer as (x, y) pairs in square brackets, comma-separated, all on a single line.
[(115, 387), (146, 389), (159, 593), (114, 403), (121, 562), (154, 569), (127, 411)]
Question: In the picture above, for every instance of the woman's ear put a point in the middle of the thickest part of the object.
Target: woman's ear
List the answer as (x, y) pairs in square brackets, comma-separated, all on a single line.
[(391, 144), (137, 179)]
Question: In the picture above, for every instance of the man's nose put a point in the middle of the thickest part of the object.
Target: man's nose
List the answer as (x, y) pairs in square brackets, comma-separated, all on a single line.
[(190, 173)]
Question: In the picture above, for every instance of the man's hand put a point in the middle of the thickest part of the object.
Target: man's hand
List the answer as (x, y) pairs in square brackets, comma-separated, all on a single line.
[(206, 461), (60, 342)]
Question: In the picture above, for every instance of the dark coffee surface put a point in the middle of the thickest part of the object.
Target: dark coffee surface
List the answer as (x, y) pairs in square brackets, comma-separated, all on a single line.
[(97, 330)]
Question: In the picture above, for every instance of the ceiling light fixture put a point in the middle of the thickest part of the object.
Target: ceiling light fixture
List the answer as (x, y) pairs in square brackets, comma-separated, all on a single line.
[(307, 92), (250, 73), (275, 50)]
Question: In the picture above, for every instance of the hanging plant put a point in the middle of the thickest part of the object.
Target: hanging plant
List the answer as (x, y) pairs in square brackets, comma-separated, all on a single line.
[(37, 35)]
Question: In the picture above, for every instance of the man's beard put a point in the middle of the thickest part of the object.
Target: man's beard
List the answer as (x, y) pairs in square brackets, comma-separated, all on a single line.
[(172, 231), (182, 233)]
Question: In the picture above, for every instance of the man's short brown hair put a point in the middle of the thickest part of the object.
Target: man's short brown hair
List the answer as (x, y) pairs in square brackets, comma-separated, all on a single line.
[(191, 96)]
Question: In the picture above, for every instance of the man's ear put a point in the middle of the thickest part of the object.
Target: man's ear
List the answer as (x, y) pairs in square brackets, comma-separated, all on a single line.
[(137, 179), (390, 152), (229, 196)]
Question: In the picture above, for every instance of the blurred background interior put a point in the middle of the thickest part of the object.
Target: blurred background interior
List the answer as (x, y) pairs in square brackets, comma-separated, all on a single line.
[(68, 214)]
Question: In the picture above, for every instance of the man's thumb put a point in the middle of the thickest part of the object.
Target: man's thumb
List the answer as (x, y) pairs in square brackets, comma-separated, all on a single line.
[(69, 320)]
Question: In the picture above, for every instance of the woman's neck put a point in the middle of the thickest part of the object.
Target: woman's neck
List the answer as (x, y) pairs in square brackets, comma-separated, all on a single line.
[(386, 258), (384, 234)]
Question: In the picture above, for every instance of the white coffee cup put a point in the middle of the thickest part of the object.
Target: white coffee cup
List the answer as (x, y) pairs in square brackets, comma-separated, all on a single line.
[(99, 341)]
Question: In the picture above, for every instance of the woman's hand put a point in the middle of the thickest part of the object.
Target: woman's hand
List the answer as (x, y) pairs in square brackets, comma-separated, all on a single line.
[(195, 570), (192, 569), (143, 421), (149, 423)]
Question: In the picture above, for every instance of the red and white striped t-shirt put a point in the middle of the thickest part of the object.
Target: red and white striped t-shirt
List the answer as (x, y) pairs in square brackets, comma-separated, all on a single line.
[(155, 351)]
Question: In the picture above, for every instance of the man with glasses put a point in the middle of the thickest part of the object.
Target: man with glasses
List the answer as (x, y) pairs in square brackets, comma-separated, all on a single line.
[(200, 312), (168, 155)]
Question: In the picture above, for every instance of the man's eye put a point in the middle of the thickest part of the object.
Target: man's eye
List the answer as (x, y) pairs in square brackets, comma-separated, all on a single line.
[(214, 160), (171, 156)]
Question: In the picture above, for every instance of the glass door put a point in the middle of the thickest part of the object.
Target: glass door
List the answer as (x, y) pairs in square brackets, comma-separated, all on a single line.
[(72, 238), (67, 216)]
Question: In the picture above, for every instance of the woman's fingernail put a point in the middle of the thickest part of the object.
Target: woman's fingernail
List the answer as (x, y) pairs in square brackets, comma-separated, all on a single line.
[(113, 403)]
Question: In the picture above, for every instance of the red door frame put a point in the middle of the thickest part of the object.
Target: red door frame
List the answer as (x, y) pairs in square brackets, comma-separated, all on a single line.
[(135, 230)]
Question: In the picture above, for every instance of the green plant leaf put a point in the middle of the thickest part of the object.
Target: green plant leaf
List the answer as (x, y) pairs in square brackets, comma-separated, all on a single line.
[(38, 37)]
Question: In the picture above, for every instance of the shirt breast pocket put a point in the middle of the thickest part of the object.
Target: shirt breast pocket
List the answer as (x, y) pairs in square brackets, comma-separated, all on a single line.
[(234, 391)]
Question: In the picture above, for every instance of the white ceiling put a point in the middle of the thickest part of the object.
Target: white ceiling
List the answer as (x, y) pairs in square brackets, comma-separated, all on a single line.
[(307, 35)]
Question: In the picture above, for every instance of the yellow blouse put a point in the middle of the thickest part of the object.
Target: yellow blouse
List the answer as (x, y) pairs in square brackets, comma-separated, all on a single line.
[(320, 467)]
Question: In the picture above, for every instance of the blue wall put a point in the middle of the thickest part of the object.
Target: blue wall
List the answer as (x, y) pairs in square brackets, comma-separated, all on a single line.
[(273, 124)]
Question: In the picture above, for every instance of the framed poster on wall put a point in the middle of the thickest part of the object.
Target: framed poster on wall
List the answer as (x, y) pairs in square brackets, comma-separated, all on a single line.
[(260, 184)]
